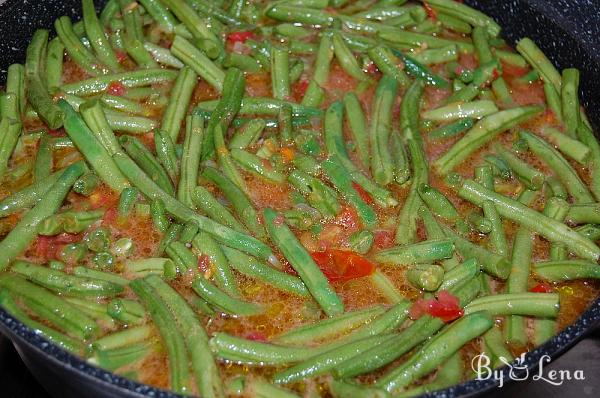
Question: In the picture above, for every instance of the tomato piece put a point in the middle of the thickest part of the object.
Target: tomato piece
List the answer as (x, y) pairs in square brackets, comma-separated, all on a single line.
[(446, 307), (364, 195), (47, 247), (542, 288), (121, 56), (299, 88), (383, 238), (239, 36), (288, 154), (256, 336), (431, 13), (116, 88), (203, 263), (372, 68), (56, 133), (513, 70), (348, 218), (342, 265)]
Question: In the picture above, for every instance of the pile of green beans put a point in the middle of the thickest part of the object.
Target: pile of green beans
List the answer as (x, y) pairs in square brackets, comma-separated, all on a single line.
[(323, 188)]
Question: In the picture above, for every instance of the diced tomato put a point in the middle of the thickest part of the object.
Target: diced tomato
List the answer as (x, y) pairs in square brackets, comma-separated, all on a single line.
[(299, 88), (239, 36), (342, 265), (541, 288), (121, 56), (116, 88), (288, 154), (348, 218), (203, 263), (431, 13), (364, 195), (446, 307), (383, 238), (256, 336), (459, 70), (513, 70), (56, 133), (47, 247), (372, 68), (495, 74)]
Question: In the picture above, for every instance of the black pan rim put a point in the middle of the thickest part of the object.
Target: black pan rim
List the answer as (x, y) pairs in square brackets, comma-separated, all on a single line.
[(555, 347)]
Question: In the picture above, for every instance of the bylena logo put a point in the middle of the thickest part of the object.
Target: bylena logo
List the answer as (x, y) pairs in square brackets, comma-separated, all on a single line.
[(519, 371)]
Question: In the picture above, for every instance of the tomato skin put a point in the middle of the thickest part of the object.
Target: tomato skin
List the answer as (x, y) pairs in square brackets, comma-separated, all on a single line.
[(513, 70), (383, 238), (342, 265), (364, 195), (348, 219), (431, 13), (542, 288), (116, 88), (239, 36), (446, 307)]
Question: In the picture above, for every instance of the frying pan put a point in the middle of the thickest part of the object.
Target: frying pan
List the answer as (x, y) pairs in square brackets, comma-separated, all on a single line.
[(565, 42)]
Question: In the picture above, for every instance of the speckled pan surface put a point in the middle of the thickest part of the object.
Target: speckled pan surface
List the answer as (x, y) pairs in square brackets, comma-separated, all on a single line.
[(567, 30)]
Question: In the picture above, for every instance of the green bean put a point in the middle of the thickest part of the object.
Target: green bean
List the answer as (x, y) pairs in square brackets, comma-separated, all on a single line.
[(238, 199), (127, 200), (346, 59), (421, 72), (254, 164), (280, 72), (80, 54), (116, 358), (15, 85), (380, 129), (246, 63), (192, 21), (180, 97), (492, 263), (570, 100), (573, 148), (100, 275), (61, 340), (484, 131), (451, 129), (25, 231), (497, 235), (225, 110), (566, 270), (495, 347), (222, 233), (437, 55), (172, 337), (68, 318), (475, 109), (54, 63), (421, 252), (361, 241), (71, 222), (137, 78), (285, 123), (190, 159), (325, 361), (328, 328), (437, 350), (37, 93), (125, 123), (253, 268), (301, 261), (544, 305), (341, 389), (206, 373), (86, 184), (386, 287), (265, 106), (459, 275), (159, 217), (218, 298), (437, 202), (467, 14), (249, 351), (146, 160), (124, 338), (126, 311), (531, 177), (553, 100), (198, 62), (342, 181), (285, 13), (323, 61), (164, 267), (171, 234), (165, 151), (161, 14), (95, 118), (43, 159), (205, 201), (163, 55), (97, 37), (320, 196), (427, 277), (358, 127), (248, 135), (564, 171), (223, 275), (123, 104), (536, 58), (10, 130)]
